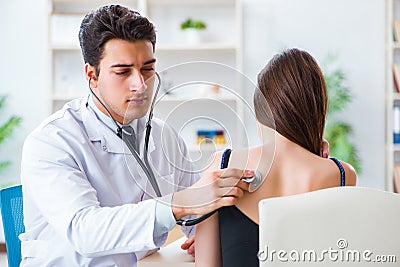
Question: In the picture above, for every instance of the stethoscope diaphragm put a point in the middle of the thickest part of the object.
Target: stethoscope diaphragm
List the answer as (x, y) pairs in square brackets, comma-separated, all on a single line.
[(254, 182)]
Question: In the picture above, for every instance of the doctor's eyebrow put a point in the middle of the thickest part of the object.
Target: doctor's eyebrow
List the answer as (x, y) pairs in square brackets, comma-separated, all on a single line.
[(118, 65)]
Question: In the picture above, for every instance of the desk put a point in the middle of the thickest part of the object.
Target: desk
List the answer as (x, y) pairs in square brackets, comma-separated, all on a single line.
[(169, 256)]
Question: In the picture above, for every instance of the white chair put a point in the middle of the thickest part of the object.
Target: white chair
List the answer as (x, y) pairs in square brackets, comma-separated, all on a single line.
[(342, 226)]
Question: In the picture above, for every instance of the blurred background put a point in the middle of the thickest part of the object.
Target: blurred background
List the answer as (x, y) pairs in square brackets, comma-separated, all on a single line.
[(41, 68)]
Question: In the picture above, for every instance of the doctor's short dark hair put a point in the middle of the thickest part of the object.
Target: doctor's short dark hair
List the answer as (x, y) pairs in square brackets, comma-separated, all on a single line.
[(293, 86), (112, 22)]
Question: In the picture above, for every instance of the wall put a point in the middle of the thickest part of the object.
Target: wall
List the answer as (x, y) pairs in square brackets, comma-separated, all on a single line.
[(352, 29), (23, 73), (23, 76)]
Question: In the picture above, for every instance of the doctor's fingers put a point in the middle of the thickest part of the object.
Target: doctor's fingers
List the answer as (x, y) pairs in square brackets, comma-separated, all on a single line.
[(230, 192), (231, 182), (234, 173)]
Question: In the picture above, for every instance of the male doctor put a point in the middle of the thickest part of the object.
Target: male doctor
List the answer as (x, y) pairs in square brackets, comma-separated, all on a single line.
[(86, 200)]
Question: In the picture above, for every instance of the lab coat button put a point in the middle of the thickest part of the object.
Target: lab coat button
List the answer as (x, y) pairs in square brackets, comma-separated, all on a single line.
[(104, 148)]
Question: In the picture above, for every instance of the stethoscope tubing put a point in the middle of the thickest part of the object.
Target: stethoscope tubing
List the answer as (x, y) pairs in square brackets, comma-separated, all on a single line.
[(144, 164)]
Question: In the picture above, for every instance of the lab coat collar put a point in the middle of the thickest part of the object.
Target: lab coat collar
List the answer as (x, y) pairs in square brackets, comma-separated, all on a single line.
[(110, 142)]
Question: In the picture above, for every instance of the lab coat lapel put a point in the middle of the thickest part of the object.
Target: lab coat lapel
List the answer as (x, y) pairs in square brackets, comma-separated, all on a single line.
[(149, 191), (110, 142), (98, 131)]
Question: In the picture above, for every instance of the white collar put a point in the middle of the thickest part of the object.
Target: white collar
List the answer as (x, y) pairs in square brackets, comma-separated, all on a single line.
[(99, 129), (108, 121)]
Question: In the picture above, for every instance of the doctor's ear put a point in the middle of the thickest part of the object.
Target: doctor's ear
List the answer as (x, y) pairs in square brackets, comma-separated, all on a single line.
[(93, 81), (91, 74)]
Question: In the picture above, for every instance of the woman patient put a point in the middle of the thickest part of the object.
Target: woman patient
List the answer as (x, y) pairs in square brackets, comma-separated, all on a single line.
[(290, 106)]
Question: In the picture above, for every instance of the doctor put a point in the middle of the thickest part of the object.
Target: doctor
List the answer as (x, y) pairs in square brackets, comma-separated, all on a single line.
[(86, 200)]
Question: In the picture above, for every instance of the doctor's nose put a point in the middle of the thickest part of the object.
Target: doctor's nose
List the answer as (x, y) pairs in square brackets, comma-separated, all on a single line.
[(137, 82)]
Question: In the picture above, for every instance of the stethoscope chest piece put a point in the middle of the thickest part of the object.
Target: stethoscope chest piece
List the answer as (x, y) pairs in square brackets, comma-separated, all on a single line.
[(254, 182)]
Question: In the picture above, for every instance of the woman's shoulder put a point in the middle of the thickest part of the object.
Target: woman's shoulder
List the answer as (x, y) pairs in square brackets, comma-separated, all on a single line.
[(326, 173), (237, 158), (351, 174)]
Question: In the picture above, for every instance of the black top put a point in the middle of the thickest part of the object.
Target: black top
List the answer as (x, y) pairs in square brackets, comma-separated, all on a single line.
[(239, 235)]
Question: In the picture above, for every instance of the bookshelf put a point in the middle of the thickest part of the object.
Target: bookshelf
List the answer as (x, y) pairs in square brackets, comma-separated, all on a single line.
[(392, 90), (189, 106)]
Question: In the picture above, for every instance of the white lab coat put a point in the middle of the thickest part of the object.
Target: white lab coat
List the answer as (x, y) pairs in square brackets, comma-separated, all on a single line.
[(84, 197)]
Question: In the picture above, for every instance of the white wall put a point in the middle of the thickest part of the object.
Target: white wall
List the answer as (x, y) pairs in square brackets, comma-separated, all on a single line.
[(352, 29), (23, 73)]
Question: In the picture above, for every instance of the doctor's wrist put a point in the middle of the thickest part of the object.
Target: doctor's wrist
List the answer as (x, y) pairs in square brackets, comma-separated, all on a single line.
[(178, 209)]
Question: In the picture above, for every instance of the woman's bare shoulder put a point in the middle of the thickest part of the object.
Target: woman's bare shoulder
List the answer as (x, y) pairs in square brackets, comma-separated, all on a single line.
[(351, 175), (330, 175)]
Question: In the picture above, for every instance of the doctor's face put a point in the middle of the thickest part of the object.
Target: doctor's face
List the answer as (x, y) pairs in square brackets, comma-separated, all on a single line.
[(125, 80)]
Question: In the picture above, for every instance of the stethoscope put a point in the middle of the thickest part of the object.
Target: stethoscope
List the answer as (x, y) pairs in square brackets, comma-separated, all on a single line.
[(124, 134)]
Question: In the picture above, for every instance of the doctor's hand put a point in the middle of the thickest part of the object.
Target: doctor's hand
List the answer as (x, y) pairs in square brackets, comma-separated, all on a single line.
[(189, 245), (214, 190)]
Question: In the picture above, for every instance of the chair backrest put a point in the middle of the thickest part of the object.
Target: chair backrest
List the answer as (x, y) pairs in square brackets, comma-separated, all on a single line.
[(13, 222), (348, 226)]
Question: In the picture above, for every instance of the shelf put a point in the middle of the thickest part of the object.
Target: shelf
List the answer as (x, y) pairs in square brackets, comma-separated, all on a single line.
[(165, 48), (65, 97), (392, 50), (207, 148), (66, 47), (82, 7), (191, 2), (393, 148), (201, 46), (396, 96), (396, 45), (163, 100), (166, 99)]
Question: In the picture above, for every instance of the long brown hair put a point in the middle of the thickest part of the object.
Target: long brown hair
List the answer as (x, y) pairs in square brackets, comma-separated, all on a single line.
[(293, 86)]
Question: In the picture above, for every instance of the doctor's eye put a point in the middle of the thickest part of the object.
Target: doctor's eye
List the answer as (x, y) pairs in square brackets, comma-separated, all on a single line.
[(122, 72), (147, 69)]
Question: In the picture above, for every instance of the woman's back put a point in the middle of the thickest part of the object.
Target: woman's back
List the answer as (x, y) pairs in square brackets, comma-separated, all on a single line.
[(293, 170), (287, 169), (290, 104)]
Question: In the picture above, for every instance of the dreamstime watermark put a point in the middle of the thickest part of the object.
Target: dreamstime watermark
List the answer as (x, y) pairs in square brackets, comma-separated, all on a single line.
[(341, 253)]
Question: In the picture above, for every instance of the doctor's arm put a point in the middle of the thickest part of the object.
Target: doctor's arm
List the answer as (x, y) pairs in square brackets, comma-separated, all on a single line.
[(55, 184)]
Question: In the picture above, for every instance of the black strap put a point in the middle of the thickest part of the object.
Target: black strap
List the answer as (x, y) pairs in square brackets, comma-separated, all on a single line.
[(225, 158), (342, 172)]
